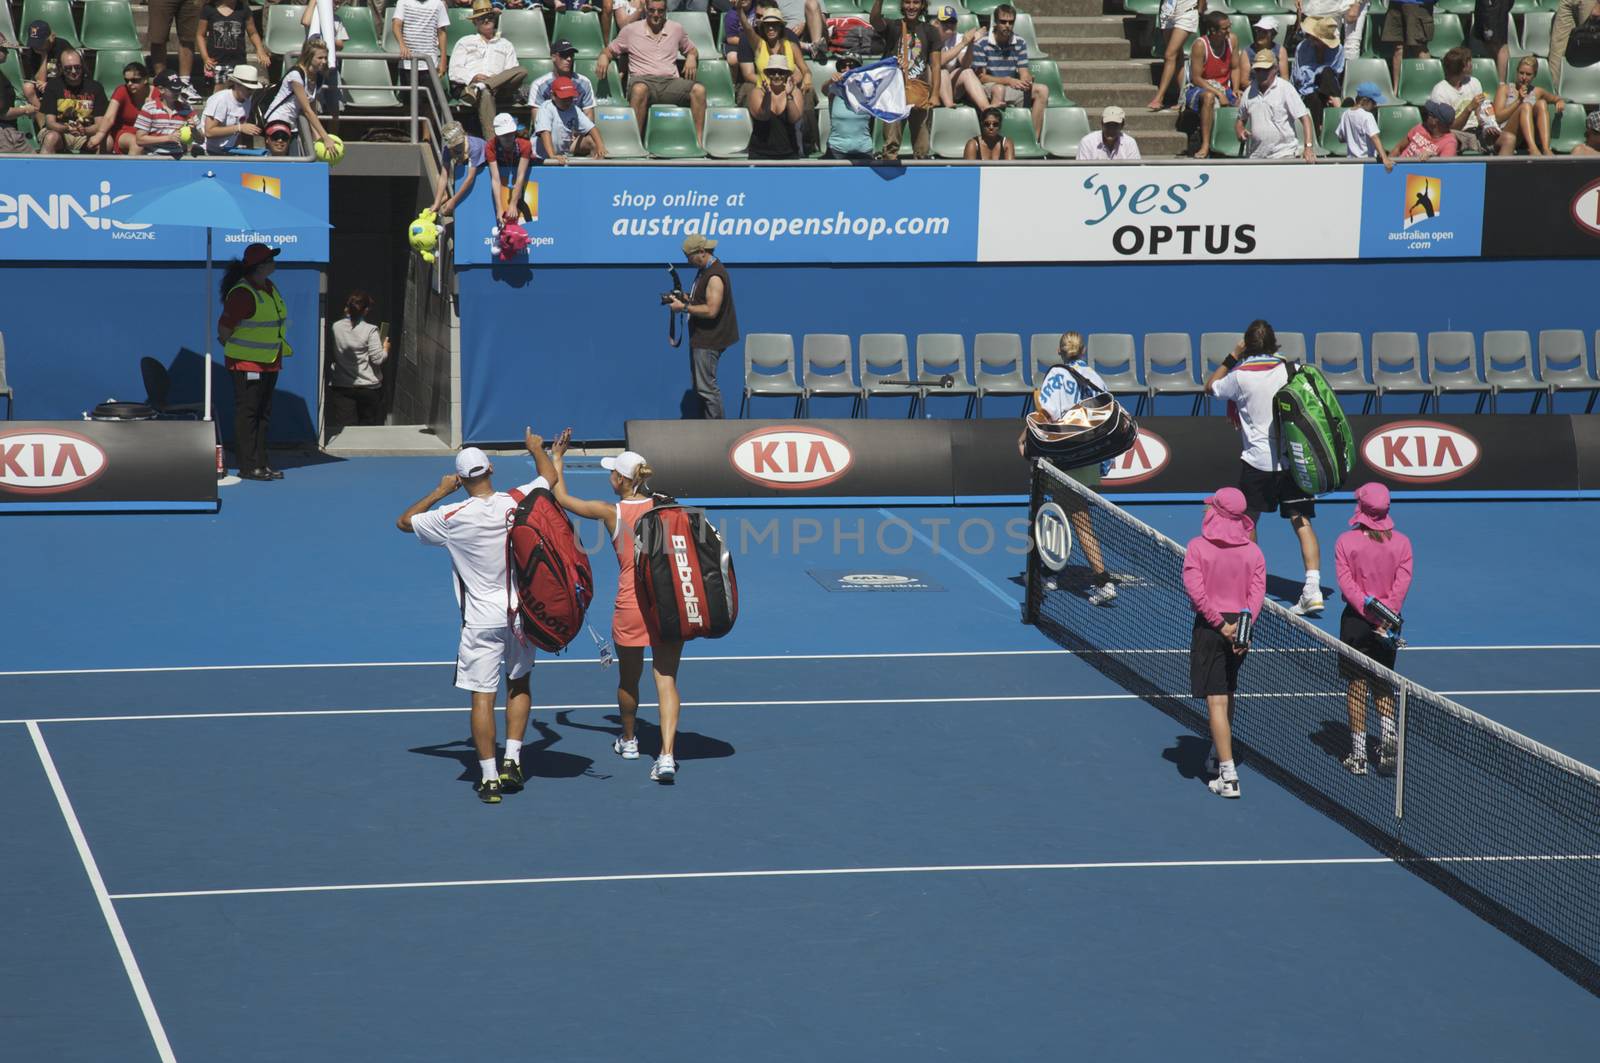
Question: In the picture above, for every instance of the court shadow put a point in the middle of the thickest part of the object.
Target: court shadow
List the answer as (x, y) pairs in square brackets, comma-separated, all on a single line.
[(689, 746), (1333, 738), (1287, 591), (1188, 754), (539, 760)]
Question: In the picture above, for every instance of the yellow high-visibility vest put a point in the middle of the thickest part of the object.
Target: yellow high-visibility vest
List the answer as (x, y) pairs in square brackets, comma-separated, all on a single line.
[(262, 336)]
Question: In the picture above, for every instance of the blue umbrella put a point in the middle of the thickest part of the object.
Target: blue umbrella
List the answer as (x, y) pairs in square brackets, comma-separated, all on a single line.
[(204, 202)]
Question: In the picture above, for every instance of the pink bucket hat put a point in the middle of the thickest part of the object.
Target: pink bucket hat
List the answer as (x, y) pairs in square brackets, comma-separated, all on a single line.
[(1226, 521), (1372, 508)]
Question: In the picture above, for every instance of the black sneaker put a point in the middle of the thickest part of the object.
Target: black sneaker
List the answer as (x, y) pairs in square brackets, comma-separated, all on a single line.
[(510, 776), (488, 791)]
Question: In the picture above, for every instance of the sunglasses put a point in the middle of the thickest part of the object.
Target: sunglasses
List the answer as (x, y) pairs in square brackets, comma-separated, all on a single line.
[(75, 67), (133, 81), (1005, 22), (991, 125), (279, 138)]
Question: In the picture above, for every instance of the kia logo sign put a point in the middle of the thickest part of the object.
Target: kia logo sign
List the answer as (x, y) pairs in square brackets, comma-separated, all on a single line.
[(1586, 208), (1140, 462), (790, 457), (47, 462), (1420, 451), (1052, 537)]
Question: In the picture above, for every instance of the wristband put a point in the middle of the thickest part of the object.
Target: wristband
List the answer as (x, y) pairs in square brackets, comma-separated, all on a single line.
[(1229, 362)]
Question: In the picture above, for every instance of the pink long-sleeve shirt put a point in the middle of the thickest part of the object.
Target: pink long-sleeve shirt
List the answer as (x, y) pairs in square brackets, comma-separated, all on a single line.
[(1368, 568), (1224, 579)]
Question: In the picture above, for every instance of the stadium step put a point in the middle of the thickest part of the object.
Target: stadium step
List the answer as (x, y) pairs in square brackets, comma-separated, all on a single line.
[(1070, 49), (1084, 27), (1110, 72), (1080, 8)]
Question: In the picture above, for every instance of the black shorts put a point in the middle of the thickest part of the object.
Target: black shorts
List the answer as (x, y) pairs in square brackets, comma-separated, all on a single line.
[(1356, 632), (1410, 25), (1274, 492), (1213, 666)]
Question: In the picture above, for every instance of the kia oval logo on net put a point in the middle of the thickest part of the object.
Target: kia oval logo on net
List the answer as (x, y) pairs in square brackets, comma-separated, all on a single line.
[(47, 461), (790, 457), (1140, 462), (1586, 208), (1420, 451)]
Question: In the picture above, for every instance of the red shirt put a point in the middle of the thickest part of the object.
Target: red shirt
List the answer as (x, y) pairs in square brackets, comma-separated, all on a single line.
[(1420, 145), (238, 307), (524, 151)]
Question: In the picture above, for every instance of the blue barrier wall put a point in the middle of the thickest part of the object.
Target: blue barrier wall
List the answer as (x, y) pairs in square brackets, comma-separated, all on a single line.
[(587, 347), (75, 333)]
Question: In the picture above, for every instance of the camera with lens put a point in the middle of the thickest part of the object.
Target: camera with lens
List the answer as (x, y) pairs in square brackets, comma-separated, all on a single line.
[(677, 289)]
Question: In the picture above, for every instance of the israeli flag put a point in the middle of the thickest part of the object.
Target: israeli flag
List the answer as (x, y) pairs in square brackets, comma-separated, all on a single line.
[(878, 89)]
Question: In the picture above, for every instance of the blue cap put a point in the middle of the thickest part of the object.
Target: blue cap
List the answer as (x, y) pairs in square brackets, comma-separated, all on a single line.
[(1371, 91)]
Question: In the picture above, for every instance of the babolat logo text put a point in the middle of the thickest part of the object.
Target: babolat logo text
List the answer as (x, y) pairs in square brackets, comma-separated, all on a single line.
[(59, 211), (1151, 220), (691, 601)]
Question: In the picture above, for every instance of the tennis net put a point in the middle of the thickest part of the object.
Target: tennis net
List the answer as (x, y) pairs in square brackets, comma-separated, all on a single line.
[(1506, 826)]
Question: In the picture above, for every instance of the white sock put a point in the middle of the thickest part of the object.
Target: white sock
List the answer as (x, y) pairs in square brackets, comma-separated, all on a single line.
[(514, 750), (1228, 771), (1314, 581), (490, 772), (1358, 744), (1386, 727)]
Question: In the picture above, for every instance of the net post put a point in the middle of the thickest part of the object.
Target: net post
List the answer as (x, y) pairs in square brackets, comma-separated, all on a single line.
[(1030, 593), (1400, 754)]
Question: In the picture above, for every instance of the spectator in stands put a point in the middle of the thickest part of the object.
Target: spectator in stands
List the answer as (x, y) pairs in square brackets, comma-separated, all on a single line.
[(252, 328), (186, 13), (12, 142), (505, 149), (1570, 14), (561, 128), (849, 132), (563, 59), (915, 44), (770, 37), (1519, 107), (466, 157), (956, 79), (298, 92), (359, 351), (1591, 136), (316, 13), (775, 111), (1475, 126), (40, 60), (1217, 74), (653, 47), (1355, 24), (77, 115), (618, 13), (279, 138), (163, 116), (126, 102), (226, 37), (1432, 137), (733, 33), (1265, 35), (419, 29), (1491, 24), (1358, 126), (1268, 114), (1318, 71), (1111, 143), (226, 117), (1408, 27), (990, 145), (1001, 62), (483, 66), (1178, 20), (713, 322)]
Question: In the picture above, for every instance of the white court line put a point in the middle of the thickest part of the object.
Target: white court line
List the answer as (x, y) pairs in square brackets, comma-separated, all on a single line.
[(157, 1032), (819, 872), (697, 660)]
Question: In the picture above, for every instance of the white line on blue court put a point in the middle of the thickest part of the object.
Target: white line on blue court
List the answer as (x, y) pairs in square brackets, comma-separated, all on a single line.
[(821, 872), (989, 585)]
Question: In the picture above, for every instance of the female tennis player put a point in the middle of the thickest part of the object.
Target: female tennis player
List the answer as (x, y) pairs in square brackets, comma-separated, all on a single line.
[(1225, 575), (1373, 562), (629, 474)]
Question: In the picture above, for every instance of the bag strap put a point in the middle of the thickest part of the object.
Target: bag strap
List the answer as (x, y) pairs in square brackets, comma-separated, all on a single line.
[(1083, 382)]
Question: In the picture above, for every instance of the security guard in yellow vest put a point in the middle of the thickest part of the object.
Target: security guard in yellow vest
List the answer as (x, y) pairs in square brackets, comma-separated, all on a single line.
[(254, 332)]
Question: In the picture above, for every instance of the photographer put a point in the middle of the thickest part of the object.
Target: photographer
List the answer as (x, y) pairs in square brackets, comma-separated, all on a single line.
[(713, 325)]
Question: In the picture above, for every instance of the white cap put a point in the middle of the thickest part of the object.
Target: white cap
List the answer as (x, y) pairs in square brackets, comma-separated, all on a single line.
[(1270, 22), (472, 462), (627, 463), (1113, 115), (503, 124)]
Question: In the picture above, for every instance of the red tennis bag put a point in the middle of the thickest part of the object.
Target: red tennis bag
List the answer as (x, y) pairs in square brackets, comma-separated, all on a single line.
[(548, 577), (683, 575)]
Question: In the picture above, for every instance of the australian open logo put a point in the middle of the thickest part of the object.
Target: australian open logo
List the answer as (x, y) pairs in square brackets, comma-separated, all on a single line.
[(1052, 537)]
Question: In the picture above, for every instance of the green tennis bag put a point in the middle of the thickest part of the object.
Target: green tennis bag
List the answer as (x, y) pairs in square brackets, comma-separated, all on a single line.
[(1318, 448)]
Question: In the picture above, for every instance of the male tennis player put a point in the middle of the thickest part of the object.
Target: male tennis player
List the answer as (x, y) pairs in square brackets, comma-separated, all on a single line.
[(1248, 379), (474, 532)]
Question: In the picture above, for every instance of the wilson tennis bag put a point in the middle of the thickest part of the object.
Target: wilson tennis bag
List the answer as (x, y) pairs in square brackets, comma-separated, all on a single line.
[(548, 577), (683, 575), (1097, 429), (1313, 433)]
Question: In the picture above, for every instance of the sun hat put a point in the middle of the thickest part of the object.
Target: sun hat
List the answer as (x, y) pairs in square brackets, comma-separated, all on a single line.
[(1264, 60), (626, 464), (483, 9), (780, 63), (472, 462), (1323, 30), (1372, 508), (696, 242), (1226, 520), (1113, 115), (246, 77), (1270, 23)]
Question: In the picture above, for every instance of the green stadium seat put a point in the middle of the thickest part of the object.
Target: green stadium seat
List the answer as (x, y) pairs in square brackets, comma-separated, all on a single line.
[(1243, 35), (620, 130), (1527, 7), (1026, 31), (609, 89), (1447, 33), (1150, 8), (357, 22), (7, 30), (1566, 128), (26, 128), (966, 21), (1225, 142), (1064, 127), (109, 63), (1394, 122), (582, 28), (1454, 7), (891, 9), (284, 35), (981, 8), (727, 132), (1417, 79), (56, 12), (1261, 7), (1373, 70), (526, 31), (367, 84), (1017, 123), (952, 128), (109, 24), (1048, 74), (669, 134), (11, 68), (835, 7), (1330, 129), (1483, 69), (460, 25), (1535, 35), (698, 27), (718, 81), (538, 68), (1580, 83), (1220, 5), (1541, 77)]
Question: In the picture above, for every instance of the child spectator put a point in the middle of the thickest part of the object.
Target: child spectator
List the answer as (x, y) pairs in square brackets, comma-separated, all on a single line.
[(561, 128), (1358, 126), (163, 116)]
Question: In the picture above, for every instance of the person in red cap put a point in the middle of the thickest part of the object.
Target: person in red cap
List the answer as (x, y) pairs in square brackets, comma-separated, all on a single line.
[(1225, 576), (561, 128), (1374, 565), (254, 330)]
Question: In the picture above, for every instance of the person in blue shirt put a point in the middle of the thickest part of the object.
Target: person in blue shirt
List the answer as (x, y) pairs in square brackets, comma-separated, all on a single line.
[(1318, 71)]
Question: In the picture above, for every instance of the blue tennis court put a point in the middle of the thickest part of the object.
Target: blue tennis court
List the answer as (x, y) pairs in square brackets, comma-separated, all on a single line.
[(906, 825)]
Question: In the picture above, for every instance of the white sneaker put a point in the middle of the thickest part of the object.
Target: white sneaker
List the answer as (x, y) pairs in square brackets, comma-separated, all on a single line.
[(1224, 787), (1355, 764), (1103, 594), (627, 748), (1388, 754), (664, 770), (1310, 603)]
